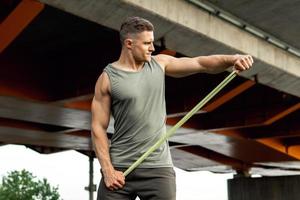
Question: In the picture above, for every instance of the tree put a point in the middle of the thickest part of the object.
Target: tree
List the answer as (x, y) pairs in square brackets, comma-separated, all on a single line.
[(21, 185)]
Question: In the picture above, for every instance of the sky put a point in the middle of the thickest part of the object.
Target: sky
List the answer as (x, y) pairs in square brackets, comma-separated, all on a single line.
[(69, 170)]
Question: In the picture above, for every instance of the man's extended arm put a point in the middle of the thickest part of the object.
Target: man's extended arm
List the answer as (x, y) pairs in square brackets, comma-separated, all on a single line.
[(180, 67), (100, 119)]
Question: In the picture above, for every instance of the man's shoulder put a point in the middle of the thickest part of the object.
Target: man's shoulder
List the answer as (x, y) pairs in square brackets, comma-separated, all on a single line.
[(160, 59), (107, 67), (103, 83)]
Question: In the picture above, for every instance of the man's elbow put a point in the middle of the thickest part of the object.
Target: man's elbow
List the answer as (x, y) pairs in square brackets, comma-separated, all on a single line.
[(98, 130)]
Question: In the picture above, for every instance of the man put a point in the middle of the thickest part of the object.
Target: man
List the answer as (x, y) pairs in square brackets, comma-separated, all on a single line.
[(132, 89)]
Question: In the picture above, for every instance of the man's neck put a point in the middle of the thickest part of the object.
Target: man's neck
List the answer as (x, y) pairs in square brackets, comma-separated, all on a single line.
[(128, 63)]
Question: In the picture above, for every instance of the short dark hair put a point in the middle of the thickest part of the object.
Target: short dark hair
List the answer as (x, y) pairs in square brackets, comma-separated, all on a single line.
[(133, 25)]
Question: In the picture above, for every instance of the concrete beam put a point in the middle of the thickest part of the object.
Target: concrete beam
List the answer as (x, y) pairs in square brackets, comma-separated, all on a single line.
[(192, 31), (45, 139), (248, 151)]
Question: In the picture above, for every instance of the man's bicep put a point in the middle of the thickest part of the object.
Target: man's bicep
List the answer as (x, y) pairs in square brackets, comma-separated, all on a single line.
[(101, 105), (180, 67), (100, 112)]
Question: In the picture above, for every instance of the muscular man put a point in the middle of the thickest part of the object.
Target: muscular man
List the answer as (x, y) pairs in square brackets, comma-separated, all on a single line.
[(132, 90)]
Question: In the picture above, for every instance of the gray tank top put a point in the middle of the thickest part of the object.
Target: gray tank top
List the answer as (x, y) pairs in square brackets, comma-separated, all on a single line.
[(139, 111)]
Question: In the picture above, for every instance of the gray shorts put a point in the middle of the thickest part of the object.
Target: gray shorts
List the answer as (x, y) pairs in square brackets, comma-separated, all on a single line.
[(147, 184)]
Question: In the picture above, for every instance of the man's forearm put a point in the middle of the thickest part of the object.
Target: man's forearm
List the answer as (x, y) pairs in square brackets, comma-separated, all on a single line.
[(102, 150), (216, 63), (113, 179)]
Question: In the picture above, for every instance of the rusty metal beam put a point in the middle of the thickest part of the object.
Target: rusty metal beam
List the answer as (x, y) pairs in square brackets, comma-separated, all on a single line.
[(81, 102), (294, 150), (18, 20), (77, 132), (291, 141), (284, 137), (219, 101), (262, 132), (229, 95), (275, 144), (287, 128), (282, 114), (289, 147), (81, 105), (168, 52), (237, 119), (86, 97)]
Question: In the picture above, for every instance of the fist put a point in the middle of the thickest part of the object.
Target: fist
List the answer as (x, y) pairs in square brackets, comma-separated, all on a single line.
[(242, 62), (115, 180)]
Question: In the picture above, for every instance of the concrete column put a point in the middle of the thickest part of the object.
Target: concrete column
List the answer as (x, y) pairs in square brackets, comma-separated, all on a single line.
[(265, 188)]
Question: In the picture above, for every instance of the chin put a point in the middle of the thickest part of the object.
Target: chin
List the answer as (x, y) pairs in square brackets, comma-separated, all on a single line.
[(148, 58)]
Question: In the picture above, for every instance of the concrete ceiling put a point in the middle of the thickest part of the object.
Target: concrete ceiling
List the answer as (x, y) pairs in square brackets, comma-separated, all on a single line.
[(278, 18), (193, 32)]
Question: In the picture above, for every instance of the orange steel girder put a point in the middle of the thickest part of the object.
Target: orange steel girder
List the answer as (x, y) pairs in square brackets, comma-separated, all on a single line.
[(282, 114), (229, 95), (219, 101), (273, 142), (291, 150), (258, 118), (18, 20), (168, 52), (82, 102)]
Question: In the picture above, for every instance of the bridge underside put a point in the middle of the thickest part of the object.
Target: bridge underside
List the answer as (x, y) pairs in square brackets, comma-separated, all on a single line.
[(50, 60)]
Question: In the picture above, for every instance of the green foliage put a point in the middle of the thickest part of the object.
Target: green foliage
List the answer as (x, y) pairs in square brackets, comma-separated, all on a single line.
[(21, 185)]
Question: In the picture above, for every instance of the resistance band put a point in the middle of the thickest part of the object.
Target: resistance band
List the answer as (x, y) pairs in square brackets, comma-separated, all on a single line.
[(171, 131)]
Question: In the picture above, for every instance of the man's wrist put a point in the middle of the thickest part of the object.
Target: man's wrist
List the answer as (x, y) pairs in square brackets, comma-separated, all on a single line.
[(107, 168), (233, 59), (107, 172)]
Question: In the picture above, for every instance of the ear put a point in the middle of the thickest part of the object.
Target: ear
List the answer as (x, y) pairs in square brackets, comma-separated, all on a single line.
[(128, 43)]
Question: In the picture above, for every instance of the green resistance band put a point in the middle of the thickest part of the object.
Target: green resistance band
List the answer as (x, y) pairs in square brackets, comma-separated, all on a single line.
[(171, 131)]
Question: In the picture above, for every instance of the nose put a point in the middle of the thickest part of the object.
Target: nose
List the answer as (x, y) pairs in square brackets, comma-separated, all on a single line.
[(151, 47)]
